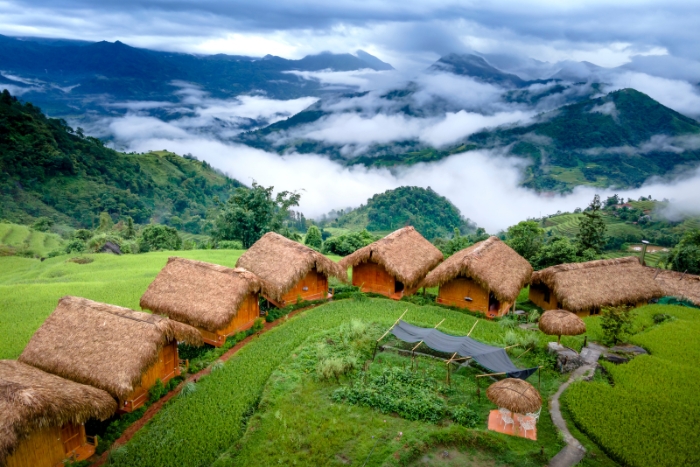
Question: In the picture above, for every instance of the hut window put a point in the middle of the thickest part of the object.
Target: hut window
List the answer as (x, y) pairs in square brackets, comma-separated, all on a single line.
[(468, 299), (595, 311), (546, 295)]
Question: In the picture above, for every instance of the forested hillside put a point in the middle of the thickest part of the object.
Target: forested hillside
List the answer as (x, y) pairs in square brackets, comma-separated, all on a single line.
[(49, 170), (431, 214)]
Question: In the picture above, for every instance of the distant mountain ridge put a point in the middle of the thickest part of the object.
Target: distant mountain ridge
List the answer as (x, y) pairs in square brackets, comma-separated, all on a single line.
[(100, 71)]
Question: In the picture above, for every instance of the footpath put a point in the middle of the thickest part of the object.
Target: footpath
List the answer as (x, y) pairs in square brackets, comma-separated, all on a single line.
[(574, 451)]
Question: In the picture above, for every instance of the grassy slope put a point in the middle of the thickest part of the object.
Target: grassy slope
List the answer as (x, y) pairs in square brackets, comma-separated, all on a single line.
[(20, 236), (30, 289), (649, 415)]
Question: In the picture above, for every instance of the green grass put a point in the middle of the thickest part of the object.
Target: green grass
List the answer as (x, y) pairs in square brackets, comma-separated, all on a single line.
[(299, 424), (21, 237), (210, 419), (649, 415)]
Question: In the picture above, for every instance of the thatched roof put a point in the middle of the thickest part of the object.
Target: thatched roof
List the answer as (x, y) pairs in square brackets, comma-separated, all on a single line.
[(404, 253), (102, 345), (31, 400), (492, 264), (283, 262), (561, 323), (515, 395), (201, 294), (677, 284), (601, 283)]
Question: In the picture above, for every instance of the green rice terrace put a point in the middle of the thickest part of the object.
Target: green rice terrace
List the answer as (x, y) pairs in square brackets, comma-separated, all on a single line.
[(309, 392)]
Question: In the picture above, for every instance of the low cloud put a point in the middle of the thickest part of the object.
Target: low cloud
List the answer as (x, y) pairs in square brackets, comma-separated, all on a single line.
[(679, 95)]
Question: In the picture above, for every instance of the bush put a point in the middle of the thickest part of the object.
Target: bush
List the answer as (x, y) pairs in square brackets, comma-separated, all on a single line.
[(42, 224), (229, 245), (157, 391), (465, 417), (74, 246), (343, 245), (313, 238), (616, 323), (96, 243), (158, 237), (258, 325)]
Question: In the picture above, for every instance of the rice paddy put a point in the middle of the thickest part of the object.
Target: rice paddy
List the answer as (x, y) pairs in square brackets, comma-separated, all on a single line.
[(22, 238)]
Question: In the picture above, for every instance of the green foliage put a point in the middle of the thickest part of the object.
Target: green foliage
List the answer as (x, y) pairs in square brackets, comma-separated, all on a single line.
[(83, 234), (616, 323), (251, 213), (156, 391), (106, 222), (557, 250), (592, 228), (465, 416), (396, 390), (686, 255), (526, 238), (42, 224), (116, 427), (48, 170), (129, 231), (636, 420), (157, 237), (75, 246), (258, 325), (343, 245), (229, 245), (313, 238)]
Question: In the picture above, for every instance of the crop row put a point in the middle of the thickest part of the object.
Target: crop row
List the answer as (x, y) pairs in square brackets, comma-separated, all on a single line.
[(649, 416)]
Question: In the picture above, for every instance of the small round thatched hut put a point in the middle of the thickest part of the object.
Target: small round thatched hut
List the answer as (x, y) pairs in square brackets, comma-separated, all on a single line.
[(561, 323), (118, 350), (394, 265), (294, 270), (516, 395), (485, 277), (42, 416)]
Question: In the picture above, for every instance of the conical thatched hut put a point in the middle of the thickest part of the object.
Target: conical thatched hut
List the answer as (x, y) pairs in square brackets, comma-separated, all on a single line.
[(217, 300), (295, 271), (585, 288), (42, 416), (516, 395), (121, 351), (485, 277), (677, 284), (561, 323), (394, 265)]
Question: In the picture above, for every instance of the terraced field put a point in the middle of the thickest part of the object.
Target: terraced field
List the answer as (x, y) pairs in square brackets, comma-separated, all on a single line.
[(21, 238)]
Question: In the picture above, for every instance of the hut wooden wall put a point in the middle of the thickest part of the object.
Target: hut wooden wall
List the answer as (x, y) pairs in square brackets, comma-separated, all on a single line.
[(316, 285), (50, 446), (166, 368), (537, 296), (247, 313), (372, 277), (453, 293)]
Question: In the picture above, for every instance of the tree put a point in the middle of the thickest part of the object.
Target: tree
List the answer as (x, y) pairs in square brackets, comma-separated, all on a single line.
[(526, 238), (129, 231), (252, 212), (42, 224), (686, 255), (159, 237), (592, 228), (616, 323), (313, 238), (106, 222), (558, 250)]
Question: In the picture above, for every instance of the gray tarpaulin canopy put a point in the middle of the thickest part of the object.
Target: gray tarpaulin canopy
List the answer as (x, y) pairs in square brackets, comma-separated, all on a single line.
[(492, 358)]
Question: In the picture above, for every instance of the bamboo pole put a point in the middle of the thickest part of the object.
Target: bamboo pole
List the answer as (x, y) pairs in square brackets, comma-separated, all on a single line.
[(524, 353), (393, 325), (490, 374), (475, 323), (421, 341)]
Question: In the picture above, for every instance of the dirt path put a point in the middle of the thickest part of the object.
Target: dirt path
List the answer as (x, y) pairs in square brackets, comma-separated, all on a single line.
[(574, 451), (155, 408)]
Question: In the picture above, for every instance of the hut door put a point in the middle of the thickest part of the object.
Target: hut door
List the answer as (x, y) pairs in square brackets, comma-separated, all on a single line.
[(494, 304), (71, 437), (398, 286), (168, 359)]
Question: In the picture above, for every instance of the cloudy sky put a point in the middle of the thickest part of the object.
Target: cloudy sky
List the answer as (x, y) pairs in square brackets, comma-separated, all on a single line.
[(656, 42), (406, 33)]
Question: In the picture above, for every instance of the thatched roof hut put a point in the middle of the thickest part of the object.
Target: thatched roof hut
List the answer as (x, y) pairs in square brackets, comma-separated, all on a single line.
[(579, 287), (404, 253), (31, 400), (492, 264), (677, 284), (105, 346), (283, 262), (201, 294), (561, 323), (515, 395)]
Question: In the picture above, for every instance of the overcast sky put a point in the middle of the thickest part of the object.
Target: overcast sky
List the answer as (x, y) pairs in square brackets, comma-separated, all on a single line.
[(406, 33)]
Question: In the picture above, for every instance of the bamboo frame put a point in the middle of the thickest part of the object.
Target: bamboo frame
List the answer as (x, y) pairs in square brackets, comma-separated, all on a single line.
[(376, 344)]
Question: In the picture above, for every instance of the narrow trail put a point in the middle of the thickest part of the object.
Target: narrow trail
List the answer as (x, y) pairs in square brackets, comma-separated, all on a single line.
[(157, 406), (574, 451)]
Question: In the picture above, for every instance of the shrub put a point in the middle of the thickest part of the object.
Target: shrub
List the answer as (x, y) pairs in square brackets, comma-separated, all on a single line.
[(75, 246), (157, 391), (96, 243), (465, 417), (42, 224), (313, 238), (258, 325), (187, 389), (616, 323), (157, 237), (229, 245)]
